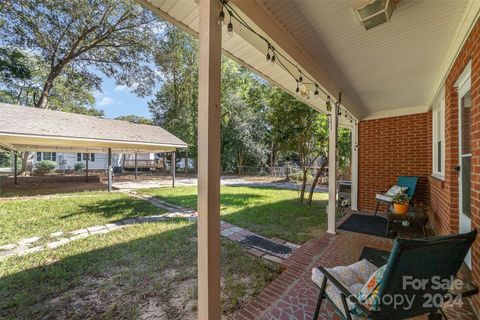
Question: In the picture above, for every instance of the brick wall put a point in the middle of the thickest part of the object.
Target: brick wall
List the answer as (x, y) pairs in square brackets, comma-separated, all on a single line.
[(444, 196), (391, 147)]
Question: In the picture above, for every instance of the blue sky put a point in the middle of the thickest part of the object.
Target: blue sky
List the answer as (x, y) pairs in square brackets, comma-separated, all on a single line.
[(119, 100)]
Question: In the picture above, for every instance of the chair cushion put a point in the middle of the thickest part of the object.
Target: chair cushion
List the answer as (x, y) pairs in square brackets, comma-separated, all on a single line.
[(394, 190), (383, 197), (369, 292), (353, 277)]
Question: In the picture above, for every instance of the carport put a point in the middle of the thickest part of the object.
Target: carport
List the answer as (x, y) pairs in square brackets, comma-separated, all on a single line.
[(24, 129)]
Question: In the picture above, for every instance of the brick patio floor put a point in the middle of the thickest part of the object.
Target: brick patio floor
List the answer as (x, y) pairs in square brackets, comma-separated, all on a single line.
[(292, 296)]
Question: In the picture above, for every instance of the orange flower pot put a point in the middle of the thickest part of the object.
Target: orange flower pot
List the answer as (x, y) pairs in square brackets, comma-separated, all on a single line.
[(400, 208)]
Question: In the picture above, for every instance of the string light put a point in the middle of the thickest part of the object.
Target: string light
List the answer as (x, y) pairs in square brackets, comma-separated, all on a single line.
[(273, 56), (221, 18), (230, 26)]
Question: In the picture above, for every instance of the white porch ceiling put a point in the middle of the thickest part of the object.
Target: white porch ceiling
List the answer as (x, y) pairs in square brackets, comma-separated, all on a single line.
[(392, 66), (391, 69)]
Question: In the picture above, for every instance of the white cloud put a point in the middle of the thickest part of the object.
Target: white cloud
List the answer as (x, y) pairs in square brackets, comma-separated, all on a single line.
[(105, 101), (121, 88)]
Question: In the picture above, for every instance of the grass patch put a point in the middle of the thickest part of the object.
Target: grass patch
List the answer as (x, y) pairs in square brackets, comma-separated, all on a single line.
[(22, 218), (271, 212), (140, 270)]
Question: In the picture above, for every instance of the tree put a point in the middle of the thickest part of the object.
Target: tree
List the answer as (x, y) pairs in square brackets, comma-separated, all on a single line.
[(135, 119), (13, 65), (113, 36), (299, 128), (71, 92)]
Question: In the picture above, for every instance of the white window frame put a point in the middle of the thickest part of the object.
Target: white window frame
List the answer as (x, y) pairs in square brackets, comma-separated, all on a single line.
[(41, 156), (438, 135)]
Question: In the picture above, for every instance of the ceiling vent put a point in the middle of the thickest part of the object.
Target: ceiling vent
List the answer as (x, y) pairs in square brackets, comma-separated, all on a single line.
[(374, 12)]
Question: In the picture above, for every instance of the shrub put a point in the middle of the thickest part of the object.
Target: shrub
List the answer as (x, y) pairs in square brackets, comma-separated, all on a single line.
[(78, 167), (44, 167)]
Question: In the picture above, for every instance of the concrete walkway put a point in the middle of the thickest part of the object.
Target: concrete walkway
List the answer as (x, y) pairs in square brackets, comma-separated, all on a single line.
[(225, 180)]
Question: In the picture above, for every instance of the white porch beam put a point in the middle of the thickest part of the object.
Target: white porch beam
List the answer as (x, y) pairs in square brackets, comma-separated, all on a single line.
[(209, 162), (332, 170), (354, 168)]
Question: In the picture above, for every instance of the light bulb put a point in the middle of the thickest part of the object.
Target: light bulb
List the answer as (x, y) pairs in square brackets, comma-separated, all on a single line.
[(230, 29), (269, 62), (273, 60), (221, 18)]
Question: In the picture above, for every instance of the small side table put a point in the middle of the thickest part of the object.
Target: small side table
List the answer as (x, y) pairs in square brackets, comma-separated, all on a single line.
[(415, 216)]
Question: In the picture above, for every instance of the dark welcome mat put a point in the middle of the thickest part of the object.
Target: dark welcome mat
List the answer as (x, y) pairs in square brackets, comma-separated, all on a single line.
[(375, 256), (266, 245), (374, 225)]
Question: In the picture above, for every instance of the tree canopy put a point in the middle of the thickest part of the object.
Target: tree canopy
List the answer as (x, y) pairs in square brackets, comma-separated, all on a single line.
[(75, 37)]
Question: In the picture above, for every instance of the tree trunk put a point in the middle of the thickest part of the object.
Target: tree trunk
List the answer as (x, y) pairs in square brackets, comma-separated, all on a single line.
[(315, 181), (186, 162), (304, 184), (272, 157), (25, 157)]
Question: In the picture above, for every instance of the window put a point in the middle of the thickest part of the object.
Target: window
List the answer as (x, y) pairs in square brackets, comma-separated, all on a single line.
[(83, 156), (439, 139), (47, 156)]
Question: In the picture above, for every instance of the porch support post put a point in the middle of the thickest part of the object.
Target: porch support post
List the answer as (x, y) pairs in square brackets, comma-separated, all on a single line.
[(15, 157), (332, 170), (109, 160), (87, 157), (136, 167), (209, 162), (173, 168), (354, 169)]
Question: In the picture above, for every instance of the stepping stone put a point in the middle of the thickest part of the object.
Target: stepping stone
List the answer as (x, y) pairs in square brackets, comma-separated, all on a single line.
[(255, 252), (236, 229), (101, 231), (269, 257), (56, 234), (56, 244), (292, 245), (79, 231), (7, 247), (79, 236), (95, 228), (31, 250), (28, 241), (226, 233)]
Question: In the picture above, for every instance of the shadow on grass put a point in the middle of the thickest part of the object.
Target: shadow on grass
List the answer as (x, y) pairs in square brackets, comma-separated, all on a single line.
[(287, 219), (122, 207), (112, 275)]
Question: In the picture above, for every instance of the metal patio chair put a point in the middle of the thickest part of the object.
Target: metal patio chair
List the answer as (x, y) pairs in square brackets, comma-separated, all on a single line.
[(414, 258)]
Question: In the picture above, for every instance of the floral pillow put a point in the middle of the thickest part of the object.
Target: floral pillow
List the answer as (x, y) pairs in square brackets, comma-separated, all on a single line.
[(369, 292), (393, 191)]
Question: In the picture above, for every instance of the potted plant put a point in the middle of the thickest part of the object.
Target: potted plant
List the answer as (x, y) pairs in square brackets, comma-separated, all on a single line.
[(400, 203)]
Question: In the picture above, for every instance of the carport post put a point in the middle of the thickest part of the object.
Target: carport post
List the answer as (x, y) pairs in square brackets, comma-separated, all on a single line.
[(87, 157), (136, 171), (109, 169), (173, 169), (15, 157)]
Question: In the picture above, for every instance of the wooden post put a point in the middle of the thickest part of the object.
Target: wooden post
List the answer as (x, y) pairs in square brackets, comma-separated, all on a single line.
[(109, 169), (87, 157), (209, 161), (136, 167), (354, 169), (332, 171), (15, 169), (173, 168), (186, 161)]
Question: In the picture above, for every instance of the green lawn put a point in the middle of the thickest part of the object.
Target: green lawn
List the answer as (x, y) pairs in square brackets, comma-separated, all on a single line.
[(125, 274), (271, 212), (22, 218)]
